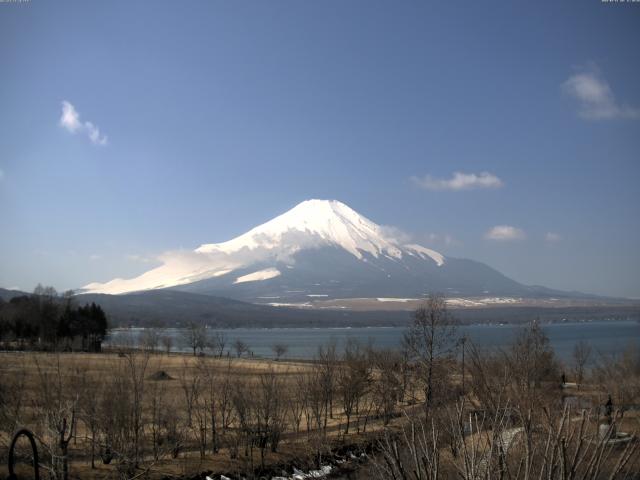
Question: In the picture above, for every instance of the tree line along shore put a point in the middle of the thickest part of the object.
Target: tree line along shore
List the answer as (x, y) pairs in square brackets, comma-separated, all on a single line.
[(48, 321)]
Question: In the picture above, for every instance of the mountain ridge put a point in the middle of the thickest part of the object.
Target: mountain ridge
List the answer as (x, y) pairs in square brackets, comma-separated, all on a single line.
[(311, 224), (320, 248)]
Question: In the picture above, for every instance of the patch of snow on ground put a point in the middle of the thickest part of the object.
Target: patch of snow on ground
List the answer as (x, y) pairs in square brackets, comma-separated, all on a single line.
[(480, 302), (492, 300), (296, 305), (402, 300), (463, 302)]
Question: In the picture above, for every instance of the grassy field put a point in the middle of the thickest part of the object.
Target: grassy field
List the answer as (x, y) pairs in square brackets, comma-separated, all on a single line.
[(154, 415), (89, 388)]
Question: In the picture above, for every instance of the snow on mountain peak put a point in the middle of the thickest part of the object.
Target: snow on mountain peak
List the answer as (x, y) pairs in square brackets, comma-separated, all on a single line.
[(310, 224), (321, 222)]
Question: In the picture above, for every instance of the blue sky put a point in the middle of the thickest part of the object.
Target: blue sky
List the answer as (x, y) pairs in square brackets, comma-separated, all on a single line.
[(191, 122)]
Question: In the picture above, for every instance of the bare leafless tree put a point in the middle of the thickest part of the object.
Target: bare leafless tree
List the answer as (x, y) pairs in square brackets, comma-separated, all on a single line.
[(190, 385), (244, 404), (219, 343), (196, 338), (167, 342), (353, 379), (531, 362), (240, 347), (618, 375), (115, 411), (175, 429), (580, 356), (326, 365), (12, 404), (431, 339), (298, 400), (489, 447), (279, 349), (316, 412), (91, 391), (157, 410), (150, 339), (211, 384), (135, 367), (57, 405), (224, 397), (201, 413), (270, 412), (386, 386), (490, 377)]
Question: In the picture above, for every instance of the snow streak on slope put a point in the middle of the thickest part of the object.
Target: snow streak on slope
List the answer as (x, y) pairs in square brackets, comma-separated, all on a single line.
[(265, 274), (310, 224), (425, 252)]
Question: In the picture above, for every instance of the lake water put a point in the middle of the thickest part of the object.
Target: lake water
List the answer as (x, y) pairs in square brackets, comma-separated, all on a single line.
[(605, 337)]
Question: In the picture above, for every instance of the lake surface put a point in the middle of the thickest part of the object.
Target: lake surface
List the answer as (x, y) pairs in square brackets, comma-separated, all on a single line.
[(605, 337)]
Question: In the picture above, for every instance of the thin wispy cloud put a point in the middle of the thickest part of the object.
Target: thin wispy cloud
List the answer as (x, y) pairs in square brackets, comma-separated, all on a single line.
[(595, 98), (505, 233), (443, 239), (140, 258), (552, 237), (394, 233), (70, 121), (428, 239), (459, 181)]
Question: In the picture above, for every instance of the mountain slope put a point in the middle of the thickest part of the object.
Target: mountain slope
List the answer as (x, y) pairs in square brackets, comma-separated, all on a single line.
[(6, 294), (318, 249), (175, 309)]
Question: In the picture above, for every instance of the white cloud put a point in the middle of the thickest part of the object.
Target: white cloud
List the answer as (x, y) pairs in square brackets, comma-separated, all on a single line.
[(442, 239), (431, 239), (95, 256), (70, 120), (552, 237), (94, 134), (396, 234), (459, 181), (505, 233), (595, 97)]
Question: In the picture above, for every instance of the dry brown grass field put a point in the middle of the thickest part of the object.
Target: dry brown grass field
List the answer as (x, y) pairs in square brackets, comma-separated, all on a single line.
[(180, 383), (139, 413)]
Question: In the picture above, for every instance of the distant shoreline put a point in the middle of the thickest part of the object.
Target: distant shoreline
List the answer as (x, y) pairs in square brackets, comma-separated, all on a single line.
[(313, 318), (304, 327), (606, 336)]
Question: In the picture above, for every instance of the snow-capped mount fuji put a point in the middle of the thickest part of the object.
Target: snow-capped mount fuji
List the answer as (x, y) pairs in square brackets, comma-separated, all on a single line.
[(318, 249), (314, 223)]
